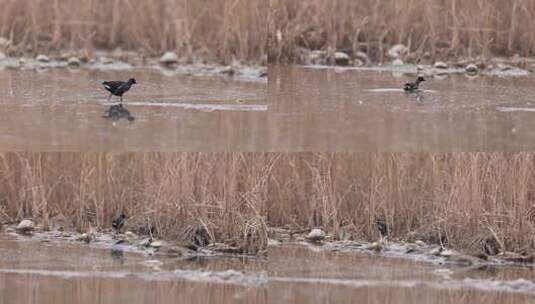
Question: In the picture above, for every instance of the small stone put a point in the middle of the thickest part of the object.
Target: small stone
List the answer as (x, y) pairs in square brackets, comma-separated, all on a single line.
[(504, 67), (362, 56), (105, 60), (25, 227), (228, 70), (357, 62), (42, 58), (420, 243), (447, 253), (472, 69), (377, 247), (145, 242), (397, 62), (156, 244), (169, 58), (130, 235), (316, 235), (341, 58), (73, 62), (22, 61), (440, 65), (397, 51), (10, 230), (85, 237), (435, 251)]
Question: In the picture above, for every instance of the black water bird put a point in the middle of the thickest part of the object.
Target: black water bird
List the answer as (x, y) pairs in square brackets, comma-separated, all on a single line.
[(118, 88), (382, 226), (118, 222), (414, 86), (116, 112)]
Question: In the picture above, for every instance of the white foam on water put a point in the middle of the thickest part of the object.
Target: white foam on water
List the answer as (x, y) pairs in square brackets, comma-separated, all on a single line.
[(515, 109)]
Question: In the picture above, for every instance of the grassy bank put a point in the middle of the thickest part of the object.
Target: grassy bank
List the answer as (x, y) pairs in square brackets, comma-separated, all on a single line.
[(167, 192), (436, 28), (213, 30), (462, 199)]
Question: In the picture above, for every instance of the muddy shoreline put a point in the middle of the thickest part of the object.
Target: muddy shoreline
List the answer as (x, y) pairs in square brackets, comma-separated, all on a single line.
[(399, 60), (120, 61), (416, 249)]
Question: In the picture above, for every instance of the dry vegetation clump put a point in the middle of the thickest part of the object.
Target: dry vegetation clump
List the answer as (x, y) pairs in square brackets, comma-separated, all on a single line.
[(430, 28), (161, 193), (214, 30)]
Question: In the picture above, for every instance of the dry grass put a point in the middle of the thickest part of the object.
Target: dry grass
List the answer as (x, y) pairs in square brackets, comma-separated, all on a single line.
[(462, 197), (223, 192), (215, 30), (440, 28)]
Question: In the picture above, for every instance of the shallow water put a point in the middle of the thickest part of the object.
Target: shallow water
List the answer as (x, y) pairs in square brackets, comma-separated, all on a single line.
[(61, 109), (300, 275), (32, 271), (35, 272), (316, 109)]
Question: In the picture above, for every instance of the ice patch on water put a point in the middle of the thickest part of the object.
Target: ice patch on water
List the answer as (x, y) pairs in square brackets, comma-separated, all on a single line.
[(232, 277)]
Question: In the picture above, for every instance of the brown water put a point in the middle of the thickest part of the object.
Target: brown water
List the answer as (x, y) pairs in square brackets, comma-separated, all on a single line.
[(300, 275), (52, 273), (337, 109), (61, 109), (34, 272)]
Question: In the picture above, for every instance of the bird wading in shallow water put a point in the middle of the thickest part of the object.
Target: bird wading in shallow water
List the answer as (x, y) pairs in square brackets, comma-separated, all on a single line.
[(414, 86), (118, 88), (118, 222)]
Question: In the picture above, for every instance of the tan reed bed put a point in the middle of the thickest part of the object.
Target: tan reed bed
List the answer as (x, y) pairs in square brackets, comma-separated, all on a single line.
[(215, 30), (223, 192), (440, 28), (461, 198)]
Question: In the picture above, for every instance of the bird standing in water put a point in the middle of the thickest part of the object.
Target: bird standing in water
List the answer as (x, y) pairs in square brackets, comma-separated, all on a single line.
[(414, 86), (118, 88), (118, 222)]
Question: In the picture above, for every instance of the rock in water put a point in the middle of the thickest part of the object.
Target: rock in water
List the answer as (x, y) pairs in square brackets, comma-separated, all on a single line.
[(169, 58), (73, 62), (42, 58), (397, 51), (472, 69), (316, 235), (25, 227), (341, 58), (397, 62), (440, 65)]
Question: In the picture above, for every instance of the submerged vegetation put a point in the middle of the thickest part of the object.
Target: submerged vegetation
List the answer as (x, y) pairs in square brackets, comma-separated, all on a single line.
[(470, 201), (437, 28), (220, 31)]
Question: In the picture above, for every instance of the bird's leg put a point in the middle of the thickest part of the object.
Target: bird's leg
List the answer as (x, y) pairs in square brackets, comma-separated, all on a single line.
[(121, 100), (109, 97)]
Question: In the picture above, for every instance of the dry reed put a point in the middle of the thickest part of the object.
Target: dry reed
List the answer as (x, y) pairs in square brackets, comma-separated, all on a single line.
[(438, 28), (461, 196), (215, 30), (167, 192)]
